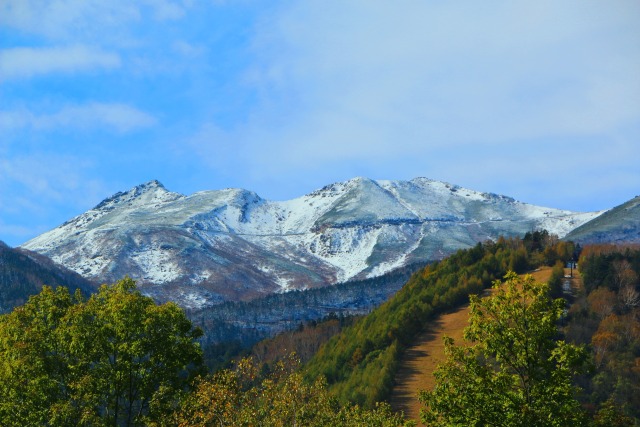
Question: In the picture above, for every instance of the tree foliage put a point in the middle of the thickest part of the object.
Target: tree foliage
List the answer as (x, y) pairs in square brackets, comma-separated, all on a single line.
[(240, 398), (606, 316), (361, 362), (513, 372), (114, 359)]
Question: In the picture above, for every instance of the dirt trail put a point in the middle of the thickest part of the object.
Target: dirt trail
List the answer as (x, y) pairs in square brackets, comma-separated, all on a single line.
[(420, 360)]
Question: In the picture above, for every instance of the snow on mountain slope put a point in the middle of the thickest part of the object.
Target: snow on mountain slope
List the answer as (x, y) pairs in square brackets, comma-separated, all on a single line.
[(233, 245)]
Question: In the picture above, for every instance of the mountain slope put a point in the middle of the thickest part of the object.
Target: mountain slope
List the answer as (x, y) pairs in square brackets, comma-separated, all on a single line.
[(231, 244), (22, 274), (620, 224)]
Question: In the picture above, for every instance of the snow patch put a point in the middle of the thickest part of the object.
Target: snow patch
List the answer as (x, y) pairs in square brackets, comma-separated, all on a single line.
[(158, 266)]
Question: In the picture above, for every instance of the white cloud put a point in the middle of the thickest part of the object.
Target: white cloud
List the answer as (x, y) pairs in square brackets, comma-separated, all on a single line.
[(371, 78), (187, 50), (88, 19), (41, 190), (118, 117), (460, 91), (25, 62), (44, 177), (166, 10)]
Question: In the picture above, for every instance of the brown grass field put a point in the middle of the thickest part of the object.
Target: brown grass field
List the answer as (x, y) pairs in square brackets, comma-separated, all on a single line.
[(420, 361)]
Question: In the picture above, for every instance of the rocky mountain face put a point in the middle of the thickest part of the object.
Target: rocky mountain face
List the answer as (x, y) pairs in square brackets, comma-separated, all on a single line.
[(231, 244), (618, 225), (22, 274)]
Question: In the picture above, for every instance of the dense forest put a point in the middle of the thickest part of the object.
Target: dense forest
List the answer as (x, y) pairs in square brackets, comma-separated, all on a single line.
[(117, 358), (245, 323), (22, 273), (605, 317)]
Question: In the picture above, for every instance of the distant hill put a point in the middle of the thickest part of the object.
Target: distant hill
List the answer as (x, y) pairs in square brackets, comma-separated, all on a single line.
[(618, 225), (23, 273)]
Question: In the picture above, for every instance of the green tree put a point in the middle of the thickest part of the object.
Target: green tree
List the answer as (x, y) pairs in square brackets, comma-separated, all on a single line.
[(114, 359), (33, 364), (514, 372), (239, 398)]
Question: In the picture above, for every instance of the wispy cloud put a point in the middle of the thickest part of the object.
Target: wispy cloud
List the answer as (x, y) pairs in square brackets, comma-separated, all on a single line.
[(90, 19), (117, 117), (451, 73), (25, 62), (441, 89), (39, 186), (283, 97), (341, 81)]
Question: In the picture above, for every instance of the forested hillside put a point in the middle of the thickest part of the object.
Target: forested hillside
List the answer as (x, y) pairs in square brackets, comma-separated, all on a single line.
[(117, 358), (246, 323), (606, 317), (22, 274), (360, 363)]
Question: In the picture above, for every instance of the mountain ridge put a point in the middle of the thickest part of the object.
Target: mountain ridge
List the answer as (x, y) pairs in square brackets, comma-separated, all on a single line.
[(619, 224), (232, 244), (23, 273)]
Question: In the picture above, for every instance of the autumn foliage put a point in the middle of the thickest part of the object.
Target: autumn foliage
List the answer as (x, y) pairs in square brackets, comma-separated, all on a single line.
[(606, 316)]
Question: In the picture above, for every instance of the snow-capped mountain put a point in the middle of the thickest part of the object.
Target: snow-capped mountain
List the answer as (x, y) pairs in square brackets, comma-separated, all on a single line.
[(233, 245)]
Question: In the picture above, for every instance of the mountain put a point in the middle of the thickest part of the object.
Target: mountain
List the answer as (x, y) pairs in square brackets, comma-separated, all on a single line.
[(617, 225), (22, 274), (231, 244)]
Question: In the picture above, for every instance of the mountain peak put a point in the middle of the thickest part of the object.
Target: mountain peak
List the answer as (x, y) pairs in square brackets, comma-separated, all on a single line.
[(154, 183), (231, 244), (150, 192)]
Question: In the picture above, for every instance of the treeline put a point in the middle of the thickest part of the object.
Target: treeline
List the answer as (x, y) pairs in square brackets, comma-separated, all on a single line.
[(361, 362), (243, 324), (117, 358), (605, 317), (305, 341)]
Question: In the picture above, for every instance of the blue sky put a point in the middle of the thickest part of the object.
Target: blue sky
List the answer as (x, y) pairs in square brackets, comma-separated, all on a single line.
[(538, 100)]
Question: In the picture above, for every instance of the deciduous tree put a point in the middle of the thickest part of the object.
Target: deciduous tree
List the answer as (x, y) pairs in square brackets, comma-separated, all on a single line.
[(514, 371), (114, 359)]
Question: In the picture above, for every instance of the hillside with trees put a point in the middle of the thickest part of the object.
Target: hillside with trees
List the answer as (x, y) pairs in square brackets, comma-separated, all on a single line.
[(118, 358), (23, 273), (605, 317), (361, 362), (246, 323), (512, 369)]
